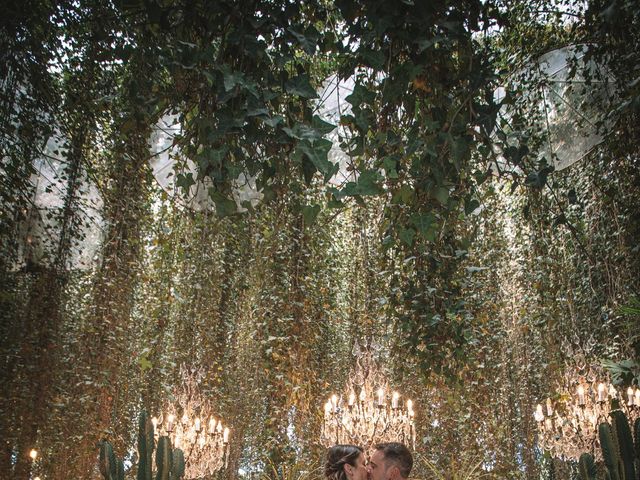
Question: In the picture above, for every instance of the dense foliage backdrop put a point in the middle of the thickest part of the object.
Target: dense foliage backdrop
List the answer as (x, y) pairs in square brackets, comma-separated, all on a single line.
[(483, 274)]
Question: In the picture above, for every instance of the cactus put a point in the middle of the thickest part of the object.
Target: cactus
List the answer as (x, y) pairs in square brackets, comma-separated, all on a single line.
[(636, 436), (120, 475), (170, 463), (108, 461), (145, 447), (164, 459), (587, 467), (178, 468), (609, 451), (625, 444)]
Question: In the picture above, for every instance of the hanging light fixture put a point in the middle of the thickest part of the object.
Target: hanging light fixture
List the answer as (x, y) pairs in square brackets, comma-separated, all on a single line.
[(193, 426), (568, 426), (368, 412)]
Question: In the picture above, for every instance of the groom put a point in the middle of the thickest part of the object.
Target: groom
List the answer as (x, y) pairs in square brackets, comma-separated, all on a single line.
[(390, 461)]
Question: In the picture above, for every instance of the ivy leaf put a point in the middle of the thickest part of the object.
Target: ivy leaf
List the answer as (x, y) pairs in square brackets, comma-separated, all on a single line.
[(310, 214), (441, 194), (307, 40), (231, 78), (300, 86), (316, 131), (471, 205), (360, 95), (316, 152), (403, 196), (145, 364), (224, 206), (372, 58), (367, 185), (273, 121), (538, 179), (423, 222), (407, 235), (324, 128), (389, 164), (185, 181)]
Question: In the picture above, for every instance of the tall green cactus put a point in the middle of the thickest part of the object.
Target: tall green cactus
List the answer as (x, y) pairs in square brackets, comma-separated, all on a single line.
[(108, 461), (164, 459), (636, 436), (120, 475), (587, 467), (609, 451), (178, 468), (625, 444), (170, 463), (145, 447)]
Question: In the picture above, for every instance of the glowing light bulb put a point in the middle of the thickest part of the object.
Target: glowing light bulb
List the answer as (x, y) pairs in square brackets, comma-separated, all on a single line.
[(581, 400), (212, 426), (33, 454), (394, 400), (602, 392)]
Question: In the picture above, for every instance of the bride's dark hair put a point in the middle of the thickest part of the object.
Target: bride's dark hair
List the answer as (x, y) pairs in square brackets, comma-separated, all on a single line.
[(337, 457)]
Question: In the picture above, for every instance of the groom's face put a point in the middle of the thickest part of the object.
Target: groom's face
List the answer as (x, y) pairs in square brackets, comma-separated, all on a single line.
[(378, 468)]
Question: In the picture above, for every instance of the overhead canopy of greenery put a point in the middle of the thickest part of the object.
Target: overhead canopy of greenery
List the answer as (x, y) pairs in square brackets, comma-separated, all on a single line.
[(484, 274)]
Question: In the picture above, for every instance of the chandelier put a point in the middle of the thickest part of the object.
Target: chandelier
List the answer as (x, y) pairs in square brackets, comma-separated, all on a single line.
[(568, 427), (368, 412), (192, 426)]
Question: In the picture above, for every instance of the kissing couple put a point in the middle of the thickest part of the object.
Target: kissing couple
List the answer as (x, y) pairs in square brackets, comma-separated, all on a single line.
[(389, 461)]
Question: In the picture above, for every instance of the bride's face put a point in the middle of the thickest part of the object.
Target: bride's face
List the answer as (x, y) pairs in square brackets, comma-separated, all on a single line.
[(359, 470)]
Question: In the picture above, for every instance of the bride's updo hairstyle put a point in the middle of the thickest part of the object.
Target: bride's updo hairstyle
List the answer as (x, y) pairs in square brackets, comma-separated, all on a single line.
[(337, 457)]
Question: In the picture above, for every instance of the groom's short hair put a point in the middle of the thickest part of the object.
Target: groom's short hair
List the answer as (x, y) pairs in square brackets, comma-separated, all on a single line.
[(398, 454)]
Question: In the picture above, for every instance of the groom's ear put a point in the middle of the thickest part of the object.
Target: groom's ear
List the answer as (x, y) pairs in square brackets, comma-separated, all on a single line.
[(395, 473)]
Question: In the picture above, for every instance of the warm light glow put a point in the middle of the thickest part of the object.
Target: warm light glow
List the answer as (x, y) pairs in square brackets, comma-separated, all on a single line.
[(581, 399), (569, 425), (369, 418), (225, 436), (538, 415), (33, 454), (193, 426), (637, 399), (394, 400), (602, 392), (154, 422), (212, 426)]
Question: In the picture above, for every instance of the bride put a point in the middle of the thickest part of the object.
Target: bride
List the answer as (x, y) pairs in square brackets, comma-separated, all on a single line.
[(345, 462)]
